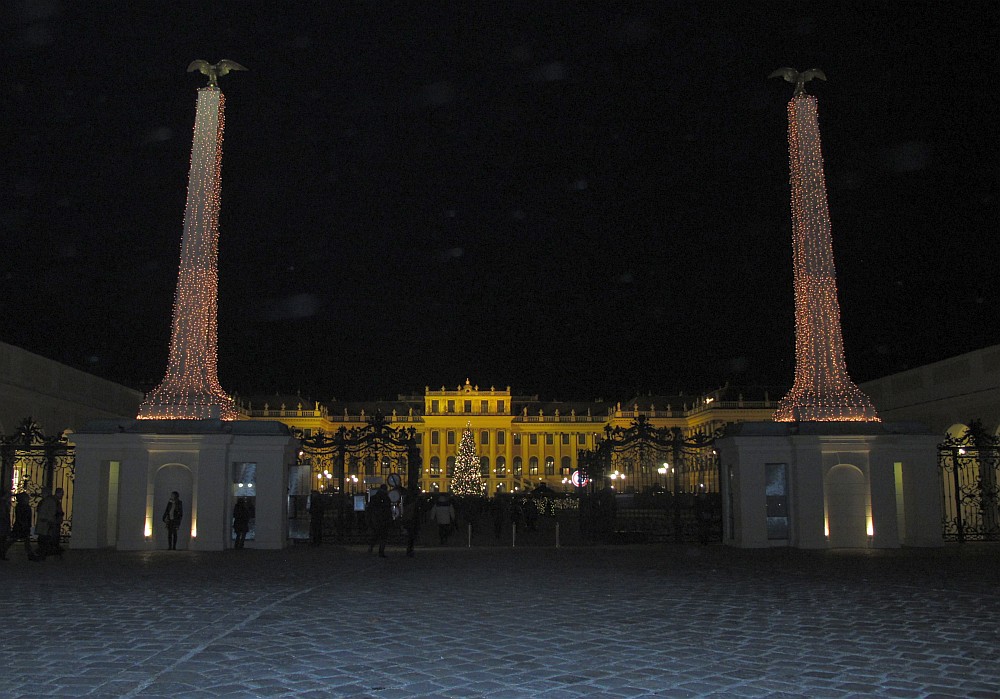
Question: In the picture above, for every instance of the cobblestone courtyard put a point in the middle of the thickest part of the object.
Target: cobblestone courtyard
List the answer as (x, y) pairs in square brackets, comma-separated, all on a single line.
[(668, 621)]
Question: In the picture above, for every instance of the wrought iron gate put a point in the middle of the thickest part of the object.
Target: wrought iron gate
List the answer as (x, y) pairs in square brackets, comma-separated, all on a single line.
[(652, 484), (345, 464), (970, 472), (31, 461)]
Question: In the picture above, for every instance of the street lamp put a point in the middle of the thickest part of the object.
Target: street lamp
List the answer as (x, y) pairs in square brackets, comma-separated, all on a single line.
[(617, 476)]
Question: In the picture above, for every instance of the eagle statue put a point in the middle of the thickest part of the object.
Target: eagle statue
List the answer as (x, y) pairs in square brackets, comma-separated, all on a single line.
[(800, 79), (214, 72)]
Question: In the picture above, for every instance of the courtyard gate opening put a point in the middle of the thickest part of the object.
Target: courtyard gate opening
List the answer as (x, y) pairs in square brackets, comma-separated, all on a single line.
[(651, 484), (31, 461), (339, 469), (970, 473)]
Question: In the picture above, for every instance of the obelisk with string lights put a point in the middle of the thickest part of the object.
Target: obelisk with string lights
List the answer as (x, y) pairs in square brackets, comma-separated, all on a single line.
[(191, 390), (822, 391)]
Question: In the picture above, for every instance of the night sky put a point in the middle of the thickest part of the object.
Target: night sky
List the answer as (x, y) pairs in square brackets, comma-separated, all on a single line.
[(578, 200)]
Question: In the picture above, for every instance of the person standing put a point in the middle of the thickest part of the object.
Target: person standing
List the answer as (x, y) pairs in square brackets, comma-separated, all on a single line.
[(380, 519), (444, 514), (22, 525), (241, 522), (317, 510), (4, 526), (48, 520), (411, 520), (172, 516)]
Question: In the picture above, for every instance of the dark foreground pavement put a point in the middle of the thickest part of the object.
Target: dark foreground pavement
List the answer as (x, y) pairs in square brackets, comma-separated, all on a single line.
[(664, 621)]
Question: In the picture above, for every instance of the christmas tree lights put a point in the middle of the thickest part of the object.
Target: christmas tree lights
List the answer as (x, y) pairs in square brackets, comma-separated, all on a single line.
[(190, 390), (467, 479), (822, 390)]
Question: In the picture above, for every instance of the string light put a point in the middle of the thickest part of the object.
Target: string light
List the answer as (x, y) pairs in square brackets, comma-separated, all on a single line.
[(822, 391), (190, 390), (467, 479)]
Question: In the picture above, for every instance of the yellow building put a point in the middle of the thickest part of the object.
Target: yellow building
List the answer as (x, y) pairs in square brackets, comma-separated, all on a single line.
[(521, 440)]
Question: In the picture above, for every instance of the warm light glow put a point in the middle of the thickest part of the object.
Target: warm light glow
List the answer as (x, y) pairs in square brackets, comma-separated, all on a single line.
[(147, 531), (822, 390), (467, 479), (190, 390)]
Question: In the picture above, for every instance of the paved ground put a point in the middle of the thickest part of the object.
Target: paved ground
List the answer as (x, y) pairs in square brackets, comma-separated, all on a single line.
[(669, 621)]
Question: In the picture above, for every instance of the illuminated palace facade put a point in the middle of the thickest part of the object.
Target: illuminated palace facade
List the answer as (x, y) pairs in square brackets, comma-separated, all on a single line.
[(521, 440)]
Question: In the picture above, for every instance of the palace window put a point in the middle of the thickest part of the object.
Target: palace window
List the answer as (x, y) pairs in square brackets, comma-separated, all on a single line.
[(435, 466), (467, 406), (435, 437), (450, 466), (484, 437), (533, 466), (484, 466), (581, 439), (451, 406), (567, 466), (501, 467), (517, 466), (565, 438), (451, 436), (533, 438), (501, 437), (550, 466), (517, 439), (484, 407), (548, 437), (500, 406), (434, 407)]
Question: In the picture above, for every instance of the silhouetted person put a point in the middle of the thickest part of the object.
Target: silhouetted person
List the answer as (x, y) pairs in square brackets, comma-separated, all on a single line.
[(703, 511), (22, 525), (498, 512), (48, 522), (411, 520), (530, 514), (380, 519), (444, 514), (241, 522), (172, 516), (5, 539), (317, 510)]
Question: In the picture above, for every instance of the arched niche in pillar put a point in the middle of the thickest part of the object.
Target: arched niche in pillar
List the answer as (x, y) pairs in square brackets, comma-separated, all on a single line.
[(171, 477), (847, 498)]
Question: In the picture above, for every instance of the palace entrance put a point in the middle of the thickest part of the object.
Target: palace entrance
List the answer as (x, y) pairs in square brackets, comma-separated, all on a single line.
[(651, 484)]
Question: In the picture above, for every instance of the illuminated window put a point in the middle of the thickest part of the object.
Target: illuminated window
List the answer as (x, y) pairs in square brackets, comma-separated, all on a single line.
[(550, 466), (501, 468), (533, 466), (435, 466), (517, 466)]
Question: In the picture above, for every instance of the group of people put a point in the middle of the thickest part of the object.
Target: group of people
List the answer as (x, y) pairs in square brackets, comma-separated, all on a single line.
[(174, 513), (48, 515), (380, 517)]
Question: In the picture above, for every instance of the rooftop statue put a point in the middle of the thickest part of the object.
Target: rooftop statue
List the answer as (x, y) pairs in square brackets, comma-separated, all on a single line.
[(216, 71), (794, 76)]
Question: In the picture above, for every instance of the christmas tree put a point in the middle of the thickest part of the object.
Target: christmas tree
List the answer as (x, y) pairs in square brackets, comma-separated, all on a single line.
[(467, 480)]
